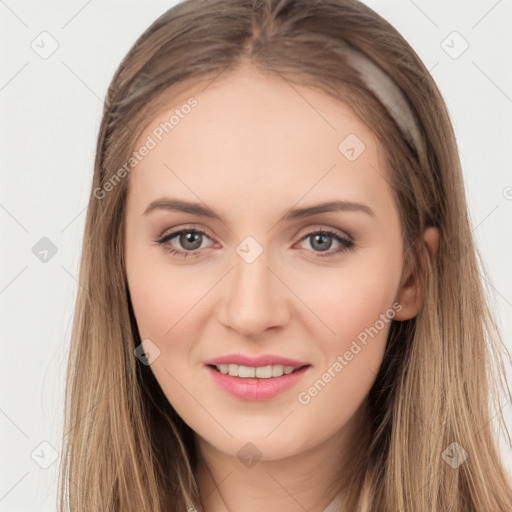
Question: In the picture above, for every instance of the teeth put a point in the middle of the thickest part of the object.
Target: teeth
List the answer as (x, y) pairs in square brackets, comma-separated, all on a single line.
[(277, 370), (261, 372), (246, 371)]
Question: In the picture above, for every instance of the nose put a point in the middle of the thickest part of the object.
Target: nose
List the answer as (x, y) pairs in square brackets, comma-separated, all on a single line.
[(254, 298)]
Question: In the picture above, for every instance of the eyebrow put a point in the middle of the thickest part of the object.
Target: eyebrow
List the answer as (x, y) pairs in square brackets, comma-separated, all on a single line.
[(201, 210)]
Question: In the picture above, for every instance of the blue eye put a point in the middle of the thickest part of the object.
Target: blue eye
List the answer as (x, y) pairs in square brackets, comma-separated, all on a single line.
[(193, 238)]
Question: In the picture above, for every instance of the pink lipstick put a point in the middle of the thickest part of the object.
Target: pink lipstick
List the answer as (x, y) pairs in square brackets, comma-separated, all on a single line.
[(256, 378)]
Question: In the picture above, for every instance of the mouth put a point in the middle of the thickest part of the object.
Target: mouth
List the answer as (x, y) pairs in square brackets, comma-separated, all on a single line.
[(256, 383), (256, 372)]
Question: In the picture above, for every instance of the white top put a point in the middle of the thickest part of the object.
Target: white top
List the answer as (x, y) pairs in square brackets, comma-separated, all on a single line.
[(335, 505)]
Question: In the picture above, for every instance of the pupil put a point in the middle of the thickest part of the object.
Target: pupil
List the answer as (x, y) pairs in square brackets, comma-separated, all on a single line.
[(322, 247)]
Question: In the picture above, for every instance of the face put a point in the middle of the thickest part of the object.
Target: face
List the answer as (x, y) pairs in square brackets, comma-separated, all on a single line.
[(263, 276)]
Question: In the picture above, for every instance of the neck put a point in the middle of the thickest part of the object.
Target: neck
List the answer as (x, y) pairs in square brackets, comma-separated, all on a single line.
[(307, 480)]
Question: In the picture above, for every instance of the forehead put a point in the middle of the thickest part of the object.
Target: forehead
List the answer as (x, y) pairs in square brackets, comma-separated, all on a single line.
[(251, 139)]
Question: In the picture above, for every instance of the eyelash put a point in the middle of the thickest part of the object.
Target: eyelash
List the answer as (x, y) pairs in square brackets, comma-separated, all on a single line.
[(346, 243)]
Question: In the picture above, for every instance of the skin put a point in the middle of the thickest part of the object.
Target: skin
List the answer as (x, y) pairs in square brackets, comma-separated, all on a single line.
[(253, 148)]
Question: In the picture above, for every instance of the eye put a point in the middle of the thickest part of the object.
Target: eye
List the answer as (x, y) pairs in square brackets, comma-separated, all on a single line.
[(320, 240), (190, 239)]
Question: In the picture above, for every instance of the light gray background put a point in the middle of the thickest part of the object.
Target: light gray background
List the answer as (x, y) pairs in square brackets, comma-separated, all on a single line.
[(51, 110)]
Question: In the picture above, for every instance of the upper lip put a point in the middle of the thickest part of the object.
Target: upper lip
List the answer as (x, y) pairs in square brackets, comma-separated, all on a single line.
[(263, 360)]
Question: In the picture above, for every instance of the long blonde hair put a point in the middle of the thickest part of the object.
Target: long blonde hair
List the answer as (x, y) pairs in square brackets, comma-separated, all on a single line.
[(124, 447)]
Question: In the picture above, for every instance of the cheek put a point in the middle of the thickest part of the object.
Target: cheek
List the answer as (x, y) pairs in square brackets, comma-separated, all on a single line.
[(348, 300), (162, 294), (166, 305), (359, 304), (356, 306)]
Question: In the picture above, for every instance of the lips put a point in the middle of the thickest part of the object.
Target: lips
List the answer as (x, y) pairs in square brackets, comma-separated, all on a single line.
[(263, 360), (286, 373)]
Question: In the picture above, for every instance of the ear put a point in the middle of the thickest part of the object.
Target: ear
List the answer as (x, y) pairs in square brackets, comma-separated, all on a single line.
[(410, 292)]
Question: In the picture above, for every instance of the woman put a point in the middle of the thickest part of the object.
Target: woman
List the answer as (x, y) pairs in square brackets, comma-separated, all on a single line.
[(324, 343)]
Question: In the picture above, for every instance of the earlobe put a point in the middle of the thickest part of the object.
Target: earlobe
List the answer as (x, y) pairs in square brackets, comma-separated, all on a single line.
[(431, 237), (410, 293)]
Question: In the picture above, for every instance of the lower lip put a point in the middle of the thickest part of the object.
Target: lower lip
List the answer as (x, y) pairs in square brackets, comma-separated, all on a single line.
[(254, 388)]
